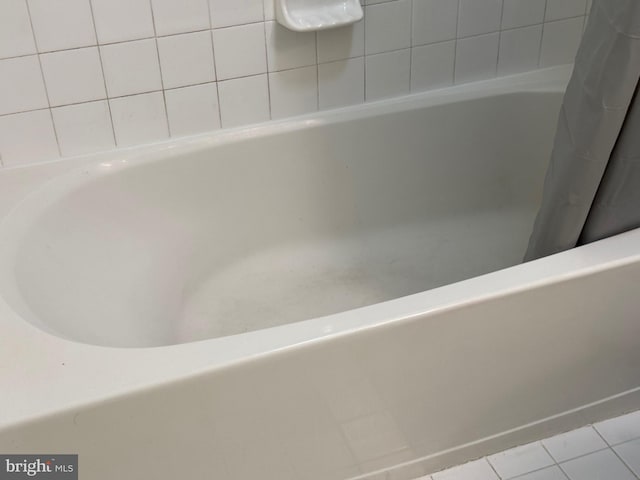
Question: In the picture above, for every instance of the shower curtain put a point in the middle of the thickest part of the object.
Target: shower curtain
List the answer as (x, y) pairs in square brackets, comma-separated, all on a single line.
[(592, 186)]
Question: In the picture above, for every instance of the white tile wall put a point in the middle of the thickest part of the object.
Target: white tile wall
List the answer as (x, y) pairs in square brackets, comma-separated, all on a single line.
[(135, 69)]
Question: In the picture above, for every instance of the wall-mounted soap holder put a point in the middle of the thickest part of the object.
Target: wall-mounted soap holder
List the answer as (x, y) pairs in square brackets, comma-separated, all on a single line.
[(310, 15)]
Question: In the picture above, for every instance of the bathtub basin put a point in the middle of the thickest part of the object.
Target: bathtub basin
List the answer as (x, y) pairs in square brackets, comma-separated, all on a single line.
[(336, 296)]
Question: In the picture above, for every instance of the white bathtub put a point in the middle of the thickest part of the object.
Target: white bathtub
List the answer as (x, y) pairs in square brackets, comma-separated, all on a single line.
[(310, 299)]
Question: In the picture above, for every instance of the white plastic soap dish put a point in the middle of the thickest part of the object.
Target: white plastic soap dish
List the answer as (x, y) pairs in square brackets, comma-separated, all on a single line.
[(310, 15)]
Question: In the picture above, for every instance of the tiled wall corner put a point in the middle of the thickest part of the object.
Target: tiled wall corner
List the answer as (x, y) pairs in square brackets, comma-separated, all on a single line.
[(81, 76)]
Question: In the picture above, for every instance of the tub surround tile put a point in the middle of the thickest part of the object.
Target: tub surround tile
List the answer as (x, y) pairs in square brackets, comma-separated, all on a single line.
[(73, 76), (186, 59), (84, 128), (62, 24), (171, 17), (479, 16), (522, 13), (574, 444), (433, 21), (519, 50), (558, 9), (387, 74), (131, 67), (432, 66), (293, 92), (22, 77), (341, 43), (193, 109), (139, 119), (287, 49), (149, 46), (620, 429), (240, 51), (244, 100), (225, 13), (122, 20), (560, 41), (27, 138), (341, 83), (476, 58), (388, 26), (16, 36), (520, 460)]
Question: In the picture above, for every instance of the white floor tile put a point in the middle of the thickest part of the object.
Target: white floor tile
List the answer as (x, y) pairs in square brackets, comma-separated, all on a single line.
[(520, 460), (574, 444), (602, 465), (478, 470), (549, 473), (620, 429), (630, 453)]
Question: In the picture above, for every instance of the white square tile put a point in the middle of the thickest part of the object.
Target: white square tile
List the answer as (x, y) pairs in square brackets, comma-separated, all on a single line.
[(630, 453), (434, 21), (73, 76), (340, 43), (240, 51), (560, 41), (519, 50), (22, 77), (244, 101), (387, 74), (341, 83), (139, 119), (171, 16), (574, 444), (16, 37), (27, 138), (122, 20), (287, 49), (620, 429), (557, 9), (476, 58), (520, 460), (602, 465), (477, 470), (388, 26), (269, 10), (131, 67), (479, 16), (432, 65), (522, 13), (550, 473), (62, 24), (186, 59), (193, 110), (84, 128), (293, 92), (225, 13)]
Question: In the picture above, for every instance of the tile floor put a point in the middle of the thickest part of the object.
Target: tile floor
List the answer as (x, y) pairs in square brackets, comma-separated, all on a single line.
[(608, 450)]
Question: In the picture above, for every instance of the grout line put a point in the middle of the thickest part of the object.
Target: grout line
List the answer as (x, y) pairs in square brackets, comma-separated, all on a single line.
[(544, 16), (266, 59), (164, 96), (455, 45), (104, 77), (499, 39), (44, 82), (215, 67)]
